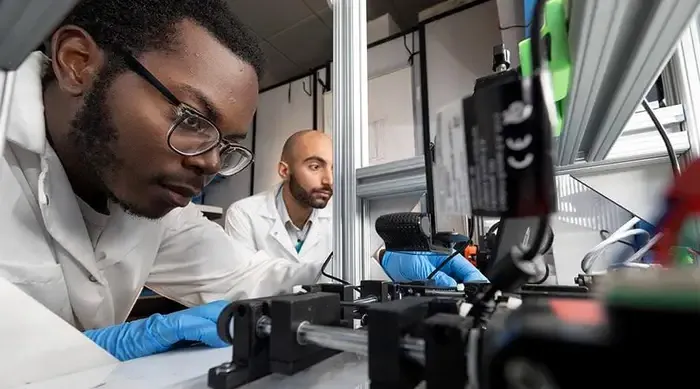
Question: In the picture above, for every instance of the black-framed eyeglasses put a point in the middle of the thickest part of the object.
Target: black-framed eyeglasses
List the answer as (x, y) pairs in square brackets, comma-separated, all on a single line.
[(191, 133)]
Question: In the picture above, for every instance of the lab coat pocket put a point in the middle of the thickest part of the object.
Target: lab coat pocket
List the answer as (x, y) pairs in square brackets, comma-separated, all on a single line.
[(43, 282)]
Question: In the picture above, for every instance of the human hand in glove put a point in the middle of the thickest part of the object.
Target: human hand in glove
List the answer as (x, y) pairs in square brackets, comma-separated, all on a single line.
[(418, 265), (158, 333)]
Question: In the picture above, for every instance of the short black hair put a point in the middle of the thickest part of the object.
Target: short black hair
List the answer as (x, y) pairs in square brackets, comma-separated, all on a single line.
[(149, 25)]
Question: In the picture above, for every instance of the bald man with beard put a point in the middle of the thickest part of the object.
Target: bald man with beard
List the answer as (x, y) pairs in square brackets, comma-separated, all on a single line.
[(292, 220)]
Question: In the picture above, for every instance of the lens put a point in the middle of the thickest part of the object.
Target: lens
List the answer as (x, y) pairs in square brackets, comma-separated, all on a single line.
[(193, 135), (234, 159)]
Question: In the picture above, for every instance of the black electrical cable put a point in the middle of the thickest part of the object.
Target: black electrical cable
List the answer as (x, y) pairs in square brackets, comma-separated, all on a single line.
[(535, 38), (667, 142), (524, 26), (544, 277), (323, 270), (493, 228), (605, 234), (334, 278), (459, 248), (537, 54), (470, 229)]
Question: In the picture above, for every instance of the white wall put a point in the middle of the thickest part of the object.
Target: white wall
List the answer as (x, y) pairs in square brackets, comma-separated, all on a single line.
[(281, 112), (226, 192), (391, 131), (381, 60), (460, 50), (381, 28), (582, 214), (639, 189)]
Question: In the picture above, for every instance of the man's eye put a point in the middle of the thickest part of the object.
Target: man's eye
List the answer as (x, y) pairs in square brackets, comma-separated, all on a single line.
[(314, 167), (192, 122)]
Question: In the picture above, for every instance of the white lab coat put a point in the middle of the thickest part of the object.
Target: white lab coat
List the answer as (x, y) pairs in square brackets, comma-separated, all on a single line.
[(255, 224), (45, 249)]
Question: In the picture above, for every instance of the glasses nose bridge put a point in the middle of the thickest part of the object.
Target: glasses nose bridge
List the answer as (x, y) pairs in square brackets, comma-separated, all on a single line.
[(208, 162)]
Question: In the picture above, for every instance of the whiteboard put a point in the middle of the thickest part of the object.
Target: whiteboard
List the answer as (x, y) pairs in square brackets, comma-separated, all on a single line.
[(391, 126)]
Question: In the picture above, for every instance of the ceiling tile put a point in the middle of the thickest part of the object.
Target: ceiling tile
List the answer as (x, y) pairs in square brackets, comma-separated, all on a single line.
[(327, 18), (276, 64), (291, 71), (269, 79), (317, 5), (269, 17), (405, 12), (377, 8), (308, 44)]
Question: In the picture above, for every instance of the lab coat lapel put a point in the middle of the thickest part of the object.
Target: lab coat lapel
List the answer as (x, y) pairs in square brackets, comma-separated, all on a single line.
[(64, 222), (317, 230), (57, 205), (277, 230)]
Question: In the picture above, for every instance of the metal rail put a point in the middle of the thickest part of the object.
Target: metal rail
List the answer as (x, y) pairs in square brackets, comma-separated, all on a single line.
[(341, 339)]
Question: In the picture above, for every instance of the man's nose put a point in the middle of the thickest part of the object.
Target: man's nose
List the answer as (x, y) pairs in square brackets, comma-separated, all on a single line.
[(205, 164), (328, 178)]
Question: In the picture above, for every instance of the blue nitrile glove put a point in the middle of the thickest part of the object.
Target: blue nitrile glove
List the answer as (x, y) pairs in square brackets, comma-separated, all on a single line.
[(158, 333), (416, 266)]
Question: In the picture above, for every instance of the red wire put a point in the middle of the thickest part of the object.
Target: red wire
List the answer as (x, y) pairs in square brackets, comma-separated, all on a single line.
[(683, 201)]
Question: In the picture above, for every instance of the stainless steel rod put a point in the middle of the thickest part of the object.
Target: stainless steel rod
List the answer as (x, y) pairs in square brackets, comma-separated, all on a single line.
[(362, 301), (351, 340), (444, 293), (342, 339)]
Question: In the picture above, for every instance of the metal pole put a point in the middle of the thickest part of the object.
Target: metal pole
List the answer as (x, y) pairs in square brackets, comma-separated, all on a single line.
[(362, 301), (427, 133), (342, 339), (352, 341), (349, 77)]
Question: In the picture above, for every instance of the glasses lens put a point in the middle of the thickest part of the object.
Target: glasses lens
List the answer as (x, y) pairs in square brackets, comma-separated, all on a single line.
[(193, 135), (233, 160)]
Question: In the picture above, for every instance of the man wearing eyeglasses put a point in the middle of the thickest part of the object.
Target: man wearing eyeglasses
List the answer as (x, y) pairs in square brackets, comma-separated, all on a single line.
[(138, 104)]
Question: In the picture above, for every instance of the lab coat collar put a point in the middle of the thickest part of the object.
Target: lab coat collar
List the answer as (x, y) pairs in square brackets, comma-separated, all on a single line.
[(279, 232), (57, 202), (27, 125)]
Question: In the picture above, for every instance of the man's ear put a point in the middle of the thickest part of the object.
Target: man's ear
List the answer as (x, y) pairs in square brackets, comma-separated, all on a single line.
[(76, 59), (283, 170)]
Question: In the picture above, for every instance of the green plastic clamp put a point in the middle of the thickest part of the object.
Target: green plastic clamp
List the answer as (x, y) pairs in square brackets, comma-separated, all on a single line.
[(554, 29)]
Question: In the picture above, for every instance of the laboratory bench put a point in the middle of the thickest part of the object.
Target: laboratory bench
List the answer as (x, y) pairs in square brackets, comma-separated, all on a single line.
[(188, 369)]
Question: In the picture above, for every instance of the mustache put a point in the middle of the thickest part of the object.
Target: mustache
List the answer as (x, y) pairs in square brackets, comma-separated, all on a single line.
[(324, 189)]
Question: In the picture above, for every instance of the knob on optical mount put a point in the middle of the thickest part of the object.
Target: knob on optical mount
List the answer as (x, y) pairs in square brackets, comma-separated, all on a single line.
[(501, 58)]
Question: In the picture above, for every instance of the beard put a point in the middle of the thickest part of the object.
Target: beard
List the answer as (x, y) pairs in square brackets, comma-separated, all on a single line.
[(94, 137), (307, 197)]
